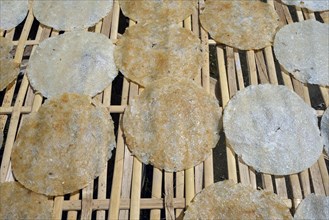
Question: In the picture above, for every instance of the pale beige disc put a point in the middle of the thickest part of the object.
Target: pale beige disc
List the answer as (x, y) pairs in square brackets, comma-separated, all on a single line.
[(149, 52), (9, 69), (245, 25), (12, 13), (172, 125), (71, 14), (17, 202), (75, 62), (302, 49), (314, 5), (158, 11), (228, 200), (64, 146), (313, 207), (272, 129), (325, 130)]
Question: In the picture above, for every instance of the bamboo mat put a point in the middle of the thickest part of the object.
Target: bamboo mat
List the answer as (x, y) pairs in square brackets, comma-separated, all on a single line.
[(128, 189)]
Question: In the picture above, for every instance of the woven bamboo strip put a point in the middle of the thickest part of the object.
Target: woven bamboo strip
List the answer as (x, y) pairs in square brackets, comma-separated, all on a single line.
[(156, 191), (238, 70), (192, 24), (58, 207), (72, 215), (126, 179), (247, 176), (146, 203), (5, 168), (9, 94), (179, 191), (119, 156), (319, 174), (269, 76), (325, 95), (208, 164), (104, 28), (169, 196), (233, 88), (86, 202), (232, 172), (128, 160), (117, 177), (189, 185), (324, 174), (266, 179), (137, 166), (261, 67), (189, 173), (136, 189)]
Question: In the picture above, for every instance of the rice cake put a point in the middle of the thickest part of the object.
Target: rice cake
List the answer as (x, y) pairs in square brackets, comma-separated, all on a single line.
[(64, 146), (9, 69), (159, 11), (325, 130), (172, 125), (20, 203), (244, 25), (169, 51), (272, 129), (70, 14), (12, 13), (302, 49), (228, 200), (313, 207), (314, 5), (75, 62)]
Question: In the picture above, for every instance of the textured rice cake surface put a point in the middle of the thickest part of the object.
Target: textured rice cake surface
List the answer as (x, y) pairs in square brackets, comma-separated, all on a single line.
[(148, 52), (313, 207), (64, 146), (272, 129), (241, 24), (9, 69), (302, 49), (173, 124), (159, 11), (325, 130), (71, 14), (18, 202), (314, 5), (75, 62), (228, 200), (12, 13)]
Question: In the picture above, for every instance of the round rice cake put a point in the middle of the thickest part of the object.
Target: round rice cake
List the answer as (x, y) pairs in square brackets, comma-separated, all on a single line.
[(244, 25), (325, 130), (314, 5), (313, 207), (18, 202), (228, 200), (173, 124), (70, 14), (169, 51), (272, 129), (302, 49), (160, 11), (9, 69), (64, 146), (75, 62), (12, 13)]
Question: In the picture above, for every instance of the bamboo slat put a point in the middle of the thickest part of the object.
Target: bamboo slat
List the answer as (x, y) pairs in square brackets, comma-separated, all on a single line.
[(117, 194)]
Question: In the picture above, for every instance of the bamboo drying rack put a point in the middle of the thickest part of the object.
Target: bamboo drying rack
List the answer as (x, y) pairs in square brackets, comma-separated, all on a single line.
[(117, 192)]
